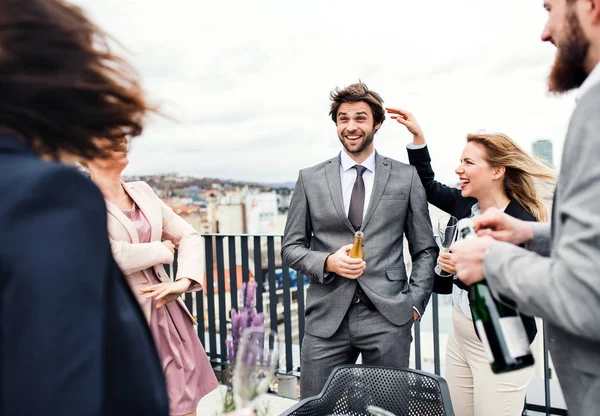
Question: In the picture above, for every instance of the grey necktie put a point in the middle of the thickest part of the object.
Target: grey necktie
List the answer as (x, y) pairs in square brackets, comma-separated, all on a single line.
[(357, 199)]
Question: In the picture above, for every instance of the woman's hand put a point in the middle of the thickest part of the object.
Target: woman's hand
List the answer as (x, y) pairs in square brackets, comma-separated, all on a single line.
[(164, 293), (410, 122), (446, 264), (169, 245)]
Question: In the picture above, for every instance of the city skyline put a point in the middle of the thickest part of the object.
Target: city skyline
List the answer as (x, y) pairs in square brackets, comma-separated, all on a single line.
[(245, 86)]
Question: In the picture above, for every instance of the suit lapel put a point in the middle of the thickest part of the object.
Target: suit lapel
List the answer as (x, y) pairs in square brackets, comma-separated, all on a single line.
[(334, 181), (383, 168), (123, 220), (151, 211)]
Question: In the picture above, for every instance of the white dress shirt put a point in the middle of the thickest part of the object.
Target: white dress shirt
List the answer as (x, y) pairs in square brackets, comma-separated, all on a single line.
[(348, 176), (592, 79)]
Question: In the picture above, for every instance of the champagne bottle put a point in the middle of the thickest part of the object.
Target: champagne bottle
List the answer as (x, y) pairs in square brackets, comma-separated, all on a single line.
[(499, 326), (357, 249)]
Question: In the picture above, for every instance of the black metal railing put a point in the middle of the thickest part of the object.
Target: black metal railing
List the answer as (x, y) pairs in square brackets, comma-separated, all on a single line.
[(214, 303)]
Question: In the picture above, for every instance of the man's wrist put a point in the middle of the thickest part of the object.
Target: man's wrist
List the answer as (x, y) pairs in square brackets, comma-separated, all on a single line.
[(528, 233)]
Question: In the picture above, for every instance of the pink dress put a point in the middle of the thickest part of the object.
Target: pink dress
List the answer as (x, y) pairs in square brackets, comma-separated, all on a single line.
[(188, 372)]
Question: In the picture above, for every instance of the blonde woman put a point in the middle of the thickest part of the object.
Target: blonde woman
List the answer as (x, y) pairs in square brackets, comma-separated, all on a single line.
[(493, 172), (144, 233)]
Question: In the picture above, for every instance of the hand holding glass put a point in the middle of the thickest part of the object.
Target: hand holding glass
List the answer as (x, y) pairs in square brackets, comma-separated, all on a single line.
[(447, 232)]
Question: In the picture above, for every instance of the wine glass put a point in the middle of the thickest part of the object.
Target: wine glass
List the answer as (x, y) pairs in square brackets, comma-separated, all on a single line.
[(255, 364), (447, 232)]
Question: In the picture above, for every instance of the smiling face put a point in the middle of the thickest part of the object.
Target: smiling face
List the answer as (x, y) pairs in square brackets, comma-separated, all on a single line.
[(476, 175), (356, 129)]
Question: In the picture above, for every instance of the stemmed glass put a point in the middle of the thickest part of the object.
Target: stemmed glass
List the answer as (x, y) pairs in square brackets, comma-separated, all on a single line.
[(447, 232), (255, 364)]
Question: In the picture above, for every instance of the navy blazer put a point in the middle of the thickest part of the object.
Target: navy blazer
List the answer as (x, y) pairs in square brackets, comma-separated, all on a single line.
[(451, 201), (73, 339)]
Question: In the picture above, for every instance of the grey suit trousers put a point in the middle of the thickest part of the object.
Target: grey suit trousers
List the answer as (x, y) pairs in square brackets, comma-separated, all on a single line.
[(362, 331)]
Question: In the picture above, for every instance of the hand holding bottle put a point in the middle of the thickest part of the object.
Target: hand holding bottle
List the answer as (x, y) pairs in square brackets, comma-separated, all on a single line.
[(343, 265), (467, 255), (498, 325)]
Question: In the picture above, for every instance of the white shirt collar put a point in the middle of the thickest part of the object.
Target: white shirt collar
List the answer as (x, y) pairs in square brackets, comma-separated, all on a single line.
[(592, 79), (348, 163), (476, 210)]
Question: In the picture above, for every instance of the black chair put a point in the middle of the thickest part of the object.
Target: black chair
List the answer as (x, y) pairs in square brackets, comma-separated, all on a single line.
[(404, 392)]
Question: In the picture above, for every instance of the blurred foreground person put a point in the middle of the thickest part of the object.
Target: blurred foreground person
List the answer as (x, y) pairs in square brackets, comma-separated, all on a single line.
[(73, 339), (144, 233)]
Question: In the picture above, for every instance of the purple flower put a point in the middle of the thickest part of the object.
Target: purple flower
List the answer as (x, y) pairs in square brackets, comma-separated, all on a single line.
[(258, 320), (250, 294), (230, 350), (246, 317)]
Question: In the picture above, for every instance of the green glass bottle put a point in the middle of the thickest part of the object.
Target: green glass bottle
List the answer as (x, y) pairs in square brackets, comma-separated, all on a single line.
[(499, 326)]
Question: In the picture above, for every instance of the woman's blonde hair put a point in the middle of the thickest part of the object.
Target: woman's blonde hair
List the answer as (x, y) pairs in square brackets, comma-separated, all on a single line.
[(527, 180)]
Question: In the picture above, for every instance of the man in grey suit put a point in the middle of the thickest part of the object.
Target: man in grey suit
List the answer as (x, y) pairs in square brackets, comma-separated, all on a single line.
[(558, 277), (353, 305)]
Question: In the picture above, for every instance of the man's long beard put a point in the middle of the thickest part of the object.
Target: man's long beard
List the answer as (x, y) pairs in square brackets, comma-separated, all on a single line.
[(568, 71)]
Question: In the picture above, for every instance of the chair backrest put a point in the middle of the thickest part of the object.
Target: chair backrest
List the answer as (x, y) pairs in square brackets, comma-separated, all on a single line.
[(404, 392)]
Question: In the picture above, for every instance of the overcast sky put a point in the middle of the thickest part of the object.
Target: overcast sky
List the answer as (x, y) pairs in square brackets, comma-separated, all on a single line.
[(247, 82)]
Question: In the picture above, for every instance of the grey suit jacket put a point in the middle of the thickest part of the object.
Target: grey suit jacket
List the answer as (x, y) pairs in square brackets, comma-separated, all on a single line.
[(317, 226), (559, 279)]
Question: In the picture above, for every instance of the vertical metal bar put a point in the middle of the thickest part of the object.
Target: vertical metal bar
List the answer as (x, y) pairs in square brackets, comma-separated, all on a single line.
[(436, 334), (210, 296), (189, 302), (258, 273), (232, 271), (548, 403), (244, 249), (287, 316), (417, 328), (200, 316), (222, 294), (272, 283)]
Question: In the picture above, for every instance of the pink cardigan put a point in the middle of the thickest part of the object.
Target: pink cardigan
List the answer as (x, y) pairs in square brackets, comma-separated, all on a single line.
[(134, 257)]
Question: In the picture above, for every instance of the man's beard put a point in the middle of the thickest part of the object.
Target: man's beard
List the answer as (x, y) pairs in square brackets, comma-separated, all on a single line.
[(366, 143), (568, 71)]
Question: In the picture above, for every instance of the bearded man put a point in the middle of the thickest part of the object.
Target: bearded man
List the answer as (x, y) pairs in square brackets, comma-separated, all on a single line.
[(558, 277), (357, 306)]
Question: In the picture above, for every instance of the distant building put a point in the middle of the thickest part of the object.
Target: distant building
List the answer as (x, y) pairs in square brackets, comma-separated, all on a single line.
[(543, 150), (193, 192)]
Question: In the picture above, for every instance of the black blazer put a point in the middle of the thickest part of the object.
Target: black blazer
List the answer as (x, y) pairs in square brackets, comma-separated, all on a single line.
[(451, 201), (73, 339)]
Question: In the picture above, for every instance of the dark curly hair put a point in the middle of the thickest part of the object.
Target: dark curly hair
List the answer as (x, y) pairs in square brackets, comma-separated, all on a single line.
[(61, 86), (354, 93)]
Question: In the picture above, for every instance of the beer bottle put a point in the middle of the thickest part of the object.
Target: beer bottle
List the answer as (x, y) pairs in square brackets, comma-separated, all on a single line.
[(499, 326), (357, 249)]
